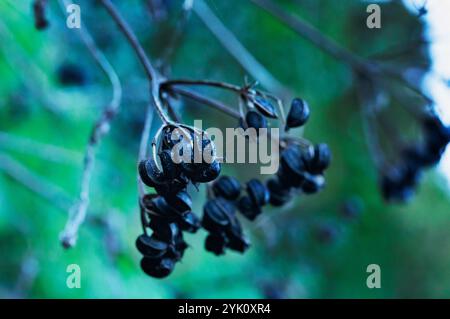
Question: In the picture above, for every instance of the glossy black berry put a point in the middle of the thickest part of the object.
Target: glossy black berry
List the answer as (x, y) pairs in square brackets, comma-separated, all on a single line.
[(255, 120), (227, 187), (216, 214), (258, 192), (181, 201), (248, 208), (298, 114), (264, 107), (216, 243), (236, 239), (312, 183), (292, 167), (189, 222), (279, 194), (321, 159), (150, 247), (150, 174), (157, 268)]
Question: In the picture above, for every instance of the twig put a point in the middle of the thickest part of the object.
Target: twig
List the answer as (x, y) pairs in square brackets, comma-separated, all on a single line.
[(153, 76), (176, 37), (310, 33), (208, 101), (238, 51), (35, 183), (77, 213), (217, 84), (359, 65)]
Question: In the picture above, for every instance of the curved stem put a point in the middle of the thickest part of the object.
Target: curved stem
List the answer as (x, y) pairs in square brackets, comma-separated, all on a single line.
[(77, 213), (208, 101), (152, 75), (218, 84)]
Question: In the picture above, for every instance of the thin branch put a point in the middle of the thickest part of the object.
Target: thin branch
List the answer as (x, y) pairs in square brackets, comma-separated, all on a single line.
[(177, 35), (208, 101), (217, 84), (307, 31), (153, 76), (230, 42), (326, 44), (77, 213)]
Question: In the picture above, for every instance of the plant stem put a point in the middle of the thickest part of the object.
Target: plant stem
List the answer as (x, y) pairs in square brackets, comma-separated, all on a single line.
[(231, 43), (218, 84), (77, 213), (208, 101), (153, 76)]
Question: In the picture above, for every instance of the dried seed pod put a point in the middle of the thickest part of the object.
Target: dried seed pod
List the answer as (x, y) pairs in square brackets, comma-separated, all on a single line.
[(171, 170), (312, 183), (298, 114), (292, 167), (216, 243), (181, 201), (321, 159), (150, 247), (189, 222), (258, 192), (216, 214), (150, 174), (227, 187), (255, 120), (157, 268), (163, 230), (163, 209), (279, 194), (264, 106), (248, 208), (236, 239), (207, 174)]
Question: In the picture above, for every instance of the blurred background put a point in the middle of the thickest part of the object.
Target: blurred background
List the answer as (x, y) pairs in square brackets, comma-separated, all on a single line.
[(316, 247)]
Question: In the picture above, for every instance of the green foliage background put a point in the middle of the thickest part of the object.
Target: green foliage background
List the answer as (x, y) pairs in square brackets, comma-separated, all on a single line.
[(410, 243)]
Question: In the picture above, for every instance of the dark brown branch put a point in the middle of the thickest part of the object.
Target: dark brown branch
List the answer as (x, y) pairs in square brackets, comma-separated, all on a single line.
[(78, 211), (208, 101), (153, 76), (231, 43)]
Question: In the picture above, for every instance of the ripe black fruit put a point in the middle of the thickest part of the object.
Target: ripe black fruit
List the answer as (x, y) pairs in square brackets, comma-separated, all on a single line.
[(264, 107), (298, 114), (279, 194), (258, 192), (312, 183), (216, 214), (255, 120), (248, 208), (150, 247), (321, 159), (157, 268), (216, 244), (227, 187)]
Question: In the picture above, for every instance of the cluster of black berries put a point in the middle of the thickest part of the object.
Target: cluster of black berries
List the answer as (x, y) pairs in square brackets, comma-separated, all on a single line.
[(301, 165), (169, 211), (260, 109), (301, 168), (220, 220), (398, 183)]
